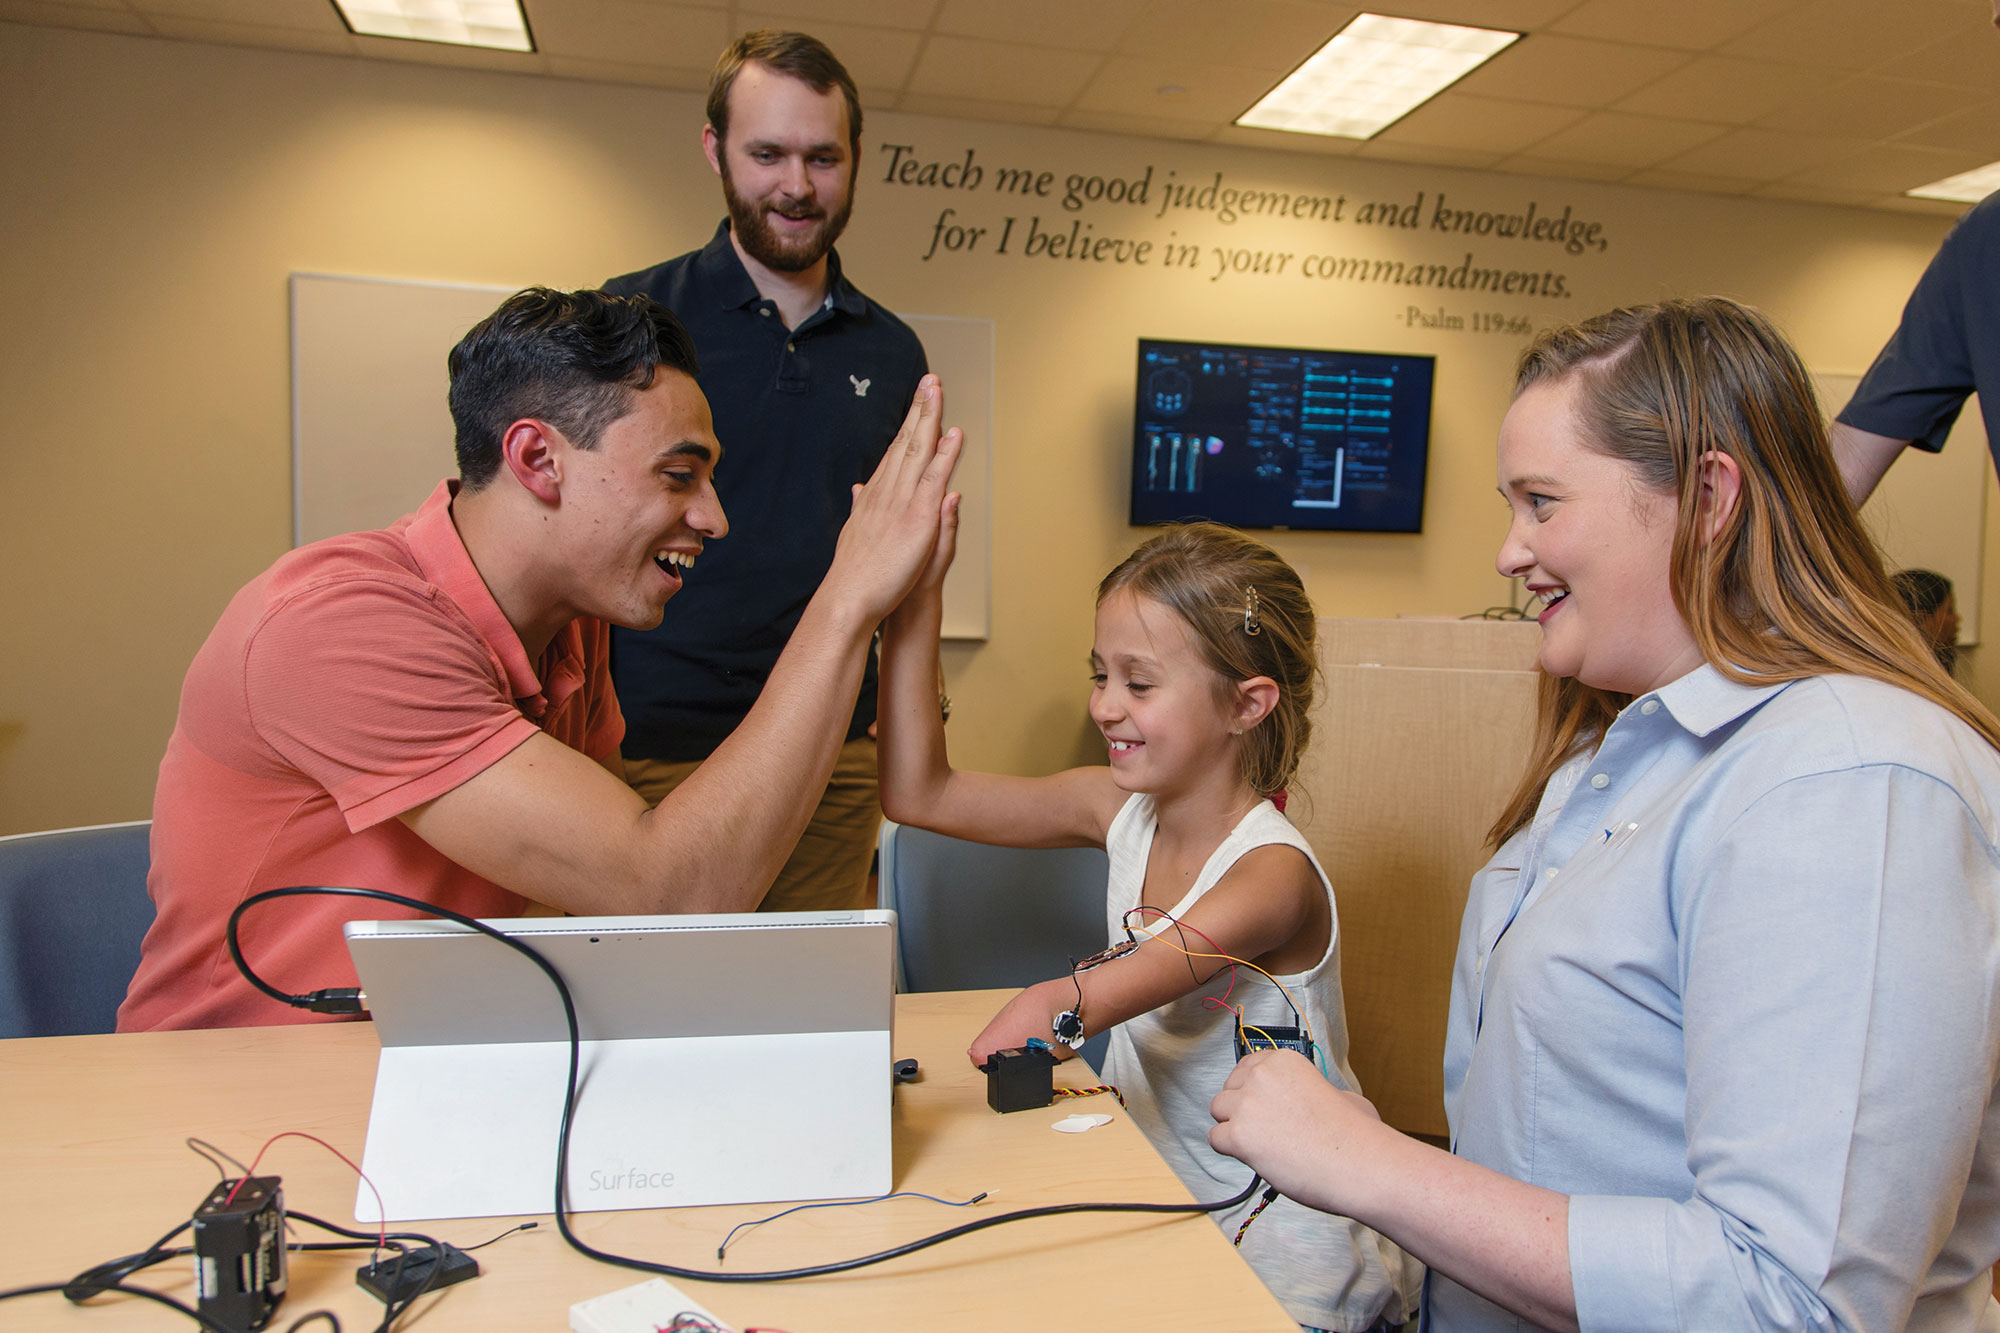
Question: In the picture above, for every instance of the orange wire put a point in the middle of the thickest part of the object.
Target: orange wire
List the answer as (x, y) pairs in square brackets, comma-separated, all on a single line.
[(1304, 1022)]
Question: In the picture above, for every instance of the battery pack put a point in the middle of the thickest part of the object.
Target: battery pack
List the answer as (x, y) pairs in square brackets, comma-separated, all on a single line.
[(239, 1252)]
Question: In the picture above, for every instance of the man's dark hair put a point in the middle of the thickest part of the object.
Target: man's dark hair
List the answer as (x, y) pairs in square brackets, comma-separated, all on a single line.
[(795, 54), (571, 359)]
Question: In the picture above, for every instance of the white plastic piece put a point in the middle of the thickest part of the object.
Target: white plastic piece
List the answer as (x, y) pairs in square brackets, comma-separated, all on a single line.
[(1078, 1124), (646, 1308)]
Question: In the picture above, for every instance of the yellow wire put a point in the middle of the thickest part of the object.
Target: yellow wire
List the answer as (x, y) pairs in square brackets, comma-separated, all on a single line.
[(1304, 1022), (1252, 1027)]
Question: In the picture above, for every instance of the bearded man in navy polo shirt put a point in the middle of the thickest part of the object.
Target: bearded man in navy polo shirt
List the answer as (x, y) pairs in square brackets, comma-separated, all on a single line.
[(808, 380)]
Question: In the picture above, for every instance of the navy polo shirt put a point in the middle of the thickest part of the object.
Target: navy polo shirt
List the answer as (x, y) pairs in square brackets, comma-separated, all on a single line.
[(802, 415), (1947, 347)]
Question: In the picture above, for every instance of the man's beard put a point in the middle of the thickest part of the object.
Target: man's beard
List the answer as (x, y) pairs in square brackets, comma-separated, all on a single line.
[(783, 254)]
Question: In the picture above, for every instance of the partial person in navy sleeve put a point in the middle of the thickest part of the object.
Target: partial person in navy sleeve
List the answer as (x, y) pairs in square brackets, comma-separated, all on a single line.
[(1725, 1019), (1946, 348)]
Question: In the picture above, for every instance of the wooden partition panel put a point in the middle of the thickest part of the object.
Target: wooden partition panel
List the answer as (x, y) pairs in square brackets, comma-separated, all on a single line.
[(1421, 731)]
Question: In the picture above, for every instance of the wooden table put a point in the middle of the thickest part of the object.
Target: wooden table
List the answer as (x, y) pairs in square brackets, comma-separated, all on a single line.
[(93, 1167)]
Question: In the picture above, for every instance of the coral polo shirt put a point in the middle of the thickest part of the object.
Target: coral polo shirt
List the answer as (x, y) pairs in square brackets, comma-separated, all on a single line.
[(355, 679)]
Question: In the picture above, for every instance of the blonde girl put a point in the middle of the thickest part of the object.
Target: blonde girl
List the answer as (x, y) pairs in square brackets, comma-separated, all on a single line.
[(1202, 675)]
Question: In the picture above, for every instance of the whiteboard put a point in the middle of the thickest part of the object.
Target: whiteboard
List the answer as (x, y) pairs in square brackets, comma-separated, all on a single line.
[(372, 433), (1930, 510)]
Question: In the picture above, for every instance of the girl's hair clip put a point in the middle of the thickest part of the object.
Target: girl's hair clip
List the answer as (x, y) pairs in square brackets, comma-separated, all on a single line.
[(1252, 605)]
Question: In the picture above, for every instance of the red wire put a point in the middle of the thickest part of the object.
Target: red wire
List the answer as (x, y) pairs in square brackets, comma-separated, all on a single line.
[(1208, 1001), (382, 1213)]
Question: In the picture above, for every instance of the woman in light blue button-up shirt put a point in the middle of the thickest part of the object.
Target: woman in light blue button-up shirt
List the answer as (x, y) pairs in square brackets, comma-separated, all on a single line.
[(1725, 1024)]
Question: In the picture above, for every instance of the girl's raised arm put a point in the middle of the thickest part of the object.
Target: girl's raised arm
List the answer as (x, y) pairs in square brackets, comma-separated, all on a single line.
[(919, 786)]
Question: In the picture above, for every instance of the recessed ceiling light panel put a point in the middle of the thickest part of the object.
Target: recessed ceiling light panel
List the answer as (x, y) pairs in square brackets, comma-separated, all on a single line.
[(1372, 73), (498, 24), (1968, 187)]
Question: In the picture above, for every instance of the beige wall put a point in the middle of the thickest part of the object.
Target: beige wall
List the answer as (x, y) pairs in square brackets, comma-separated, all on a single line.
[(158, 193)]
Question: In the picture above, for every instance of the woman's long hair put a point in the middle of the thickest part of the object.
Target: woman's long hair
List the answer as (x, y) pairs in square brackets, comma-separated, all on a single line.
[(1791, 585)]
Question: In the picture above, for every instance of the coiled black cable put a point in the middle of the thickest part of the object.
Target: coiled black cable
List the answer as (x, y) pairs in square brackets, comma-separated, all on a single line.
[(341, 995)]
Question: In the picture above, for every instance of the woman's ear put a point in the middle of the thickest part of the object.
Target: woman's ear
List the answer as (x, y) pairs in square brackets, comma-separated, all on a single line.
[(1721, 487), (1255, 698)]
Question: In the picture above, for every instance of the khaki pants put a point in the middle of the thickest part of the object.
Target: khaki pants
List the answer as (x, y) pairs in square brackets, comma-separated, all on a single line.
[(828, 870)]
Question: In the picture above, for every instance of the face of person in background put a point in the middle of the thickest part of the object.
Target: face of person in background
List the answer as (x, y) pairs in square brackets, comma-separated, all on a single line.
[(1941, 625), (787, 170)]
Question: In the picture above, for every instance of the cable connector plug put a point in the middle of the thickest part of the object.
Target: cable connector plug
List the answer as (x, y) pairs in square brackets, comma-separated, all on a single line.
[(334, 1000)]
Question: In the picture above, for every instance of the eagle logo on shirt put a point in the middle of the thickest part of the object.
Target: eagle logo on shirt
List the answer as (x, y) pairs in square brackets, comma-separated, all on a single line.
[(860, 386)]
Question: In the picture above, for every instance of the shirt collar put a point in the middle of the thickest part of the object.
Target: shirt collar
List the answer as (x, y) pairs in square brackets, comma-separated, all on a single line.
[(1704, 699), (723, 269), (442, 558)]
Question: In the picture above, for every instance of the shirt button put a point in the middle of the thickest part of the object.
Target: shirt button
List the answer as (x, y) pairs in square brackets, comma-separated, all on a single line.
[(791, 347), (1650, 707), (1600, 780), (765, 312)]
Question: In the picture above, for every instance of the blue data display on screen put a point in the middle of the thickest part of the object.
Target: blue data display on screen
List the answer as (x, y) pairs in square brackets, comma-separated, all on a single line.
[(1280, 437)]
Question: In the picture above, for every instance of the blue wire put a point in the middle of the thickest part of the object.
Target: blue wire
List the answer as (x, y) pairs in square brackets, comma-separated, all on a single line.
[(842, 1203)]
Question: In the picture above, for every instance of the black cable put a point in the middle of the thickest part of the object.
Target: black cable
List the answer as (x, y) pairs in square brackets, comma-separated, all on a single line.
[(161, 1297), (569, 1109), (303, 1320), (110, 1276), (525, 1226)]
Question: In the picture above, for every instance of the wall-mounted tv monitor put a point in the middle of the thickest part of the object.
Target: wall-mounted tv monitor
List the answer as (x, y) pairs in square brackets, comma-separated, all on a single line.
[(1280, 437)]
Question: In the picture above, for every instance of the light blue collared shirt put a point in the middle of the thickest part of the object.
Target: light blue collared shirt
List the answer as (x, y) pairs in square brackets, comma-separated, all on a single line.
[(1736, 991)]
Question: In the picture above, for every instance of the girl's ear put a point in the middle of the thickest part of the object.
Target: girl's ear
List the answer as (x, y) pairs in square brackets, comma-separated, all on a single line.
[(1255, 698)]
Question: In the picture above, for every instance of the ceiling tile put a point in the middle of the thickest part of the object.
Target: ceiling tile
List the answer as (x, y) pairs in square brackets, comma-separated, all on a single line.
[(1763, 154), (312, 15), (92, 19), (1864, 107), (1974, 131), (1691, 25), (622, 71), (1962, 60), (1522, 164), (1462, 121), (1213, 92), (407, 52), (1111, 122), (675, 36), (1097, 26), (1902, 203), (1271, 35), (883, 57), (1002, 71), (1660, 179), (1510, 15), (1723, 89), (64, 6), (1891, 168), (971, 108), (1285, 141), (1429, 155), (1616, 139), (1859, 34), (912, 15), (1812, 194), (1569, 71), (340, 42)]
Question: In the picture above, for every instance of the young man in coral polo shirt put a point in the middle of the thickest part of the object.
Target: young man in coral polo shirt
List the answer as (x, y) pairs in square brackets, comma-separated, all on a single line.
[(428, 709)]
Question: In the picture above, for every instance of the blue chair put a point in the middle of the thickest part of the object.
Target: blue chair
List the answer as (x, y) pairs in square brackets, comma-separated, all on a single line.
[(974, 917), (73, 909)]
